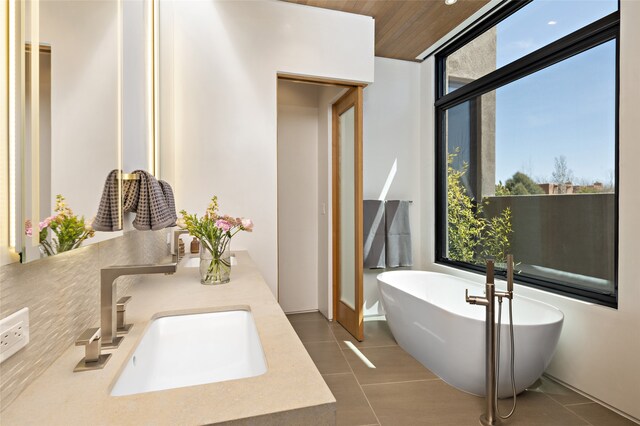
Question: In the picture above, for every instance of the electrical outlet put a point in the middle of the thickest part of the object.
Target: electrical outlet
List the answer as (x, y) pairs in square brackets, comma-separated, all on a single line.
[(14, 333), (12, 336)]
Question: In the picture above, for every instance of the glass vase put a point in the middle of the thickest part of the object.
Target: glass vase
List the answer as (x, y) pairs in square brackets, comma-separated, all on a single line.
[(215, 268)]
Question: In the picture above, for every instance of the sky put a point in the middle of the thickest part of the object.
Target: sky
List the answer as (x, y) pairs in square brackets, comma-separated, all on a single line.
[(567, 109)]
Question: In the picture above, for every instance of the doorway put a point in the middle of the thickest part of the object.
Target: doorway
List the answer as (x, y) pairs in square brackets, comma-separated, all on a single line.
[(298, 196), (306, 210)]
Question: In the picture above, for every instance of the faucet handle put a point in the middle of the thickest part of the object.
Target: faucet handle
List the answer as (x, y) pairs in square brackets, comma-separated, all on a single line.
[(474, 300), (467, 298), (121, 306), (93, 359), (89, 336), (510, 273)]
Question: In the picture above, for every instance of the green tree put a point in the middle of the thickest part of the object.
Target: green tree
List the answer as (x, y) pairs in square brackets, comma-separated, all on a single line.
[(496, 237), (521, 184), (501, 190), (588, 190), (473, 237), (464, 227)]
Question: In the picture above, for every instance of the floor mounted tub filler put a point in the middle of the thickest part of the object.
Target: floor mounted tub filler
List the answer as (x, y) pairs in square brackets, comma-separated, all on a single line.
[(429, 318)]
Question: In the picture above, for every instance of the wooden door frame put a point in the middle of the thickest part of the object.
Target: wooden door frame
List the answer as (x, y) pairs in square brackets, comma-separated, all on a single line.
[(354, 97), (321, 81)]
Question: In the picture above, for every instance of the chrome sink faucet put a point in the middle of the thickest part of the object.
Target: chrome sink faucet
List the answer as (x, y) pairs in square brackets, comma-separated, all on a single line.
[(108, 303)]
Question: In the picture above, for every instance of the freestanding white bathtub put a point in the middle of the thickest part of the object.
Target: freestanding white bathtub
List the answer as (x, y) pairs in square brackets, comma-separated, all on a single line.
[(429, 318)]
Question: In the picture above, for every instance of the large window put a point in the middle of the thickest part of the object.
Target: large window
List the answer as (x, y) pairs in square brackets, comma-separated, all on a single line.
[(526, 119)]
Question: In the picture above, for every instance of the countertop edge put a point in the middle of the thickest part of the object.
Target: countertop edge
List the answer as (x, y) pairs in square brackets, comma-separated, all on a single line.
[(292, 391)]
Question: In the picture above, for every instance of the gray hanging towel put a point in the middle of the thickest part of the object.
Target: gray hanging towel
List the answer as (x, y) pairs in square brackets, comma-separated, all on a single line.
[(171, 202), (398, 234), (152, 209), (130, 195), (107, 218), (373, 221)]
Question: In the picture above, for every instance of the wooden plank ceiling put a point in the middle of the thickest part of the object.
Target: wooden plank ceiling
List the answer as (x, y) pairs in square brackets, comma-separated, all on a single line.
[(405, 28)]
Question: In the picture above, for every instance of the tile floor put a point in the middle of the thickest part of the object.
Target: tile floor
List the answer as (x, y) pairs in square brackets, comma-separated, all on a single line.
[(400, 391)]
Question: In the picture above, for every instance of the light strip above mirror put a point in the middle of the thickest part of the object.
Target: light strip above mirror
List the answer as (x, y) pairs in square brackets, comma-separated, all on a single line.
[(155, 41), (16, 122), (35, 118), (11, 52), (119, 114), (6, 153), (150, 86), (4, 129), (152, 79)]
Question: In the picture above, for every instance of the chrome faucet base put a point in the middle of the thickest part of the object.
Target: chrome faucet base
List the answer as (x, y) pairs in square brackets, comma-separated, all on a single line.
[(485, 422), (93, 365), (115, 342), (91, 339), (124, 330)]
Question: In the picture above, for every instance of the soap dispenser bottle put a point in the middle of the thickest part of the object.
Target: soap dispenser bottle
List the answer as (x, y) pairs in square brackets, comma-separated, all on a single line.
[(195, 245), (180, 248)]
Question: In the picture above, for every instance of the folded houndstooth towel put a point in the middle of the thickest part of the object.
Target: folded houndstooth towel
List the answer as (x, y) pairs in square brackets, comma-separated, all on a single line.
[(150, 199), (171, 202), (130, 195), (108, 218), (153, 210)]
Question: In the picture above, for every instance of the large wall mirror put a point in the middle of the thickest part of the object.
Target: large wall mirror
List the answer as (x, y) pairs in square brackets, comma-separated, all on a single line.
[(80, 106)]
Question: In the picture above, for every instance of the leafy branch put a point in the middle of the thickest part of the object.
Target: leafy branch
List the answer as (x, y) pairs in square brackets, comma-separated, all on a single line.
[(472, 236)]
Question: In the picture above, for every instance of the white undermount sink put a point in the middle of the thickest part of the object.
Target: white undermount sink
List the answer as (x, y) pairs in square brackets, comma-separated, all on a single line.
[(187, 350)]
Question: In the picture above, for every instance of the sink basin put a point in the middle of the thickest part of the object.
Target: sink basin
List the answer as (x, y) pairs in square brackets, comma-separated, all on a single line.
[(187, 350)]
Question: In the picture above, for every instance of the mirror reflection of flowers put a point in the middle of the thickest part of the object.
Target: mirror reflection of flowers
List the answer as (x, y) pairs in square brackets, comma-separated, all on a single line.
[(68, 231), (214, 232)]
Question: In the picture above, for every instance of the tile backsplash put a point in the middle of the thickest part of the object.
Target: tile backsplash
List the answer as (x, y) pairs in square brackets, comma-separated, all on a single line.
[(63, 296)]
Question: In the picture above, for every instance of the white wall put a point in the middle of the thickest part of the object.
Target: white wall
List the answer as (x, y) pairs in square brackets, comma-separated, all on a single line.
[(599, 349), (225, 58), (391, 143), (297, 196)]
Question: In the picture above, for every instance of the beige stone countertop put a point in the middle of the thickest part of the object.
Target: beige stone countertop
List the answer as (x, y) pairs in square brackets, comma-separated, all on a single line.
[(291, 392)]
